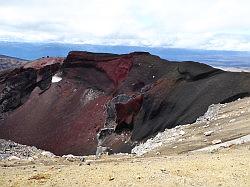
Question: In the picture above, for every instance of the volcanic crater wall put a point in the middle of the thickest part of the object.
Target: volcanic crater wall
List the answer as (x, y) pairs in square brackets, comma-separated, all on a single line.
[(107, 102)]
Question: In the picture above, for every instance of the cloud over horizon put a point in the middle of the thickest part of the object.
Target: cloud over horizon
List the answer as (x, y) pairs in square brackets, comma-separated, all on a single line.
[(207, 24)]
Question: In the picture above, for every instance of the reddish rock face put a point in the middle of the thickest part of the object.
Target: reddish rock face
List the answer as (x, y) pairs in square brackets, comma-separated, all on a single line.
[(42, 62), (107, 102), (117, 69)]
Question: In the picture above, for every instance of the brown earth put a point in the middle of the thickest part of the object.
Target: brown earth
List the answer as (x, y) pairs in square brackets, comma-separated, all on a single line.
[(225, 168), (173, 164)]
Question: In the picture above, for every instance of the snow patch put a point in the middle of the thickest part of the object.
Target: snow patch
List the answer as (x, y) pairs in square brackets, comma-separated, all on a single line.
[(56, 78)]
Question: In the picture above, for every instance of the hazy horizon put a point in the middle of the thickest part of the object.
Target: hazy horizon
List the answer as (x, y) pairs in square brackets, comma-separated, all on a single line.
[(193, 24), (32, 51)]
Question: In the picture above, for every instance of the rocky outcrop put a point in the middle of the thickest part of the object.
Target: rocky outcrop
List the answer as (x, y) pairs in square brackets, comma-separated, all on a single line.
[(19, 83), (106, 102)]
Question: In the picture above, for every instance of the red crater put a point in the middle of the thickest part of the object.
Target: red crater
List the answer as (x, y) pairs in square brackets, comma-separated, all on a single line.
[(107, 101), (117, 69)]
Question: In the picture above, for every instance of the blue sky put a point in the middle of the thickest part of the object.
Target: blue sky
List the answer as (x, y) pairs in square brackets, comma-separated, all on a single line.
[(203, 24)]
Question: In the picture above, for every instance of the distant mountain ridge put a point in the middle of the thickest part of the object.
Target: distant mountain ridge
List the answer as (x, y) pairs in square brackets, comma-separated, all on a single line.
[(32, 51), (10, 62)]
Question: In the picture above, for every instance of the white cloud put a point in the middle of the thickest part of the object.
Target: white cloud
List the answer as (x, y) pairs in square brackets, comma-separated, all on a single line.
[(209, 24)]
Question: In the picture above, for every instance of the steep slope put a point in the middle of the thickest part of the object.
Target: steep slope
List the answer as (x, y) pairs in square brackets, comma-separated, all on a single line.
[(106, 102)]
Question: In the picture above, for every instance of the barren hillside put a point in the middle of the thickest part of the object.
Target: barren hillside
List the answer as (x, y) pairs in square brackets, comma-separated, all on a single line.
[(215, 151)]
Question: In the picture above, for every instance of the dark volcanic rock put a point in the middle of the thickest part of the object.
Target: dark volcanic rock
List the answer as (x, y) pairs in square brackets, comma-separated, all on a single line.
[(107, 102)]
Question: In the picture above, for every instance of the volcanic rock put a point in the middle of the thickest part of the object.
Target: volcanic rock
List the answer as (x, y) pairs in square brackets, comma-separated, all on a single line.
[(107, 101)]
